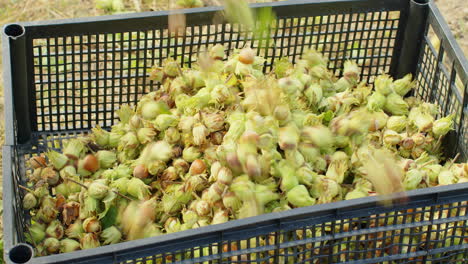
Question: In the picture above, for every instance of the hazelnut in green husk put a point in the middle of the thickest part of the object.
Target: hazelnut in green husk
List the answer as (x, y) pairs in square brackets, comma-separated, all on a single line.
[(224, 176), (314, 95), (397, 123), (58, 160), (172, 135), (190, 154), (89, 240), (338, 167), (75, 230), (91, 225), (69, 245), (219, 217), (355, 194), (404, 85), (173, 202), (395, 105), (306, 176), (231, 201), (47, 212), (156, 167), (299, 196), (152, 229), (421, 118), (128, 141), (288, 176), (154, 151), (55, 229), (51, 176), (114, 139), (214, 192), (138, 189), (376, 101), (189, 218), (164, 121), (74, 148), (121, 185), (51, 245), (70, 212), (443, 126), (35, 176), (200, 134), (202, 208), (288, 137), (172, 225), (264, 194), (383, 84), (140, 171), (111, 235), (197, 167), (419, 139), (36, 232), (98, 190), (89, 207), (407, 143), (29, 201), (213, 121), (412, 179), (326, 190), (150, 110), (101, 137), (81, 170), (181, 166), (391, 137), (36, 162), (68, 171), (106, 159), (446, 177)]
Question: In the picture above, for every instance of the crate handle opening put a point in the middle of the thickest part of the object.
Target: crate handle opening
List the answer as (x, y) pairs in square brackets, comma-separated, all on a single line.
[(421, 2), (21, 253), (14, 30)]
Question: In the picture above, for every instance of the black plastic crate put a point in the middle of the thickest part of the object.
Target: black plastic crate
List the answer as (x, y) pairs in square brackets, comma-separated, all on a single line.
[(64, 77)]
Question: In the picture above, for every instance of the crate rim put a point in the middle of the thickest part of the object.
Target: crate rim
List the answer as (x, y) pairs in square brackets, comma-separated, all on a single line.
[(108, 253), (353, 4)]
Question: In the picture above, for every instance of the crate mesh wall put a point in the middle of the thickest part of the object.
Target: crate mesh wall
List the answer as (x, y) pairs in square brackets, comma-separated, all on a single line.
[(432, 233), (80, 80), (17, 172), (439, 82)]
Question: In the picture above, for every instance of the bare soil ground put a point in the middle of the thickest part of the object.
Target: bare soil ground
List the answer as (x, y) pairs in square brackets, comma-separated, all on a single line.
[(456, 14)]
